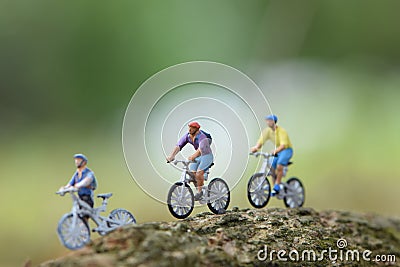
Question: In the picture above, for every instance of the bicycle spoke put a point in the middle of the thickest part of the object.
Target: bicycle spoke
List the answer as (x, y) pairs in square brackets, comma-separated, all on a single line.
[(181, 200), (218, 195), (258, 191), (73, 232), (294, 193)]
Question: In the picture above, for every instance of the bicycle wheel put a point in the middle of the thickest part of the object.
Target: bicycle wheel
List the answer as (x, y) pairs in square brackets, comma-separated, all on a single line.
[(121, 217), (294, 193), (180, 200), (73, 231), (258, 190), (219, 196)]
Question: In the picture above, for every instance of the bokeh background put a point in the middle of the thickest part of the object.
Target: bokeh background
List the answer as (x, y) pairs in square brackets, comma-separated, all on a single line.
[(330, 69)]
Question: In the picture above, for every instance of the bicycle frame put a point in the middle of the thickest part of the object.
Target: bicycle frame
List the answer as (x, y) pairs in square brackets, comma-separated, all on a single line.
[(187, 175), (267, 163), (81, 209)]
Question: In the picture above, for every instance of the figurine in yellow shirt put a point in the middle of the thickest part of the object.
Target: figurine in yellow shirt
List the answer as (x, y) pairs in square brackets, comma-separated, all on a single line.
[(283, 149)]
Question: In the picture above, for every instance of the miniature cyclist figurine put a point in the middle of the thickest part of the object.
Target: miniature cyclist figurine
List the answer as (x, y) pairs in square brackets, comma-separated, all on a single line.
[(83, 179), (203, 156), (283, 149)]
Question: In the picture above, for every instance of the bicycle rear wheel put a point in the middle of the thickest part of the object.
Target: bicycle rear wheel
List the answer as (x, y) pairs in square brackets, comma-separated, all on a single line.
[(218, 196), (294, 193), (180, 200), (121, 217), (73, 231), (258, 190)]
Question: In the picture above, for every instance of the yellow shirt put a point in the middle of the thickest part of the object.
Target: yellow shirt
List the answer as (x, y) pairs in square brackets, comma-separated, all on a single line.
[(278, 137)]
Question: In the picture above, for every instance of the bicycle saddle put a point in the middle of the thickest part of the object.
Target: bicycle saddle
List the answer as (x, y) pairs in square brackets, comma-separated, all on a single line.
[(105, 196), (212, 164), (290, 163)]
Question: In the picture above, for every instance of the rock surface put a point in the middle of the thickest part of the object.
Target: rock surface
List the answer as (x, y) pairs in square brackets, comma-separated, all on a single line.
[(241, 238)]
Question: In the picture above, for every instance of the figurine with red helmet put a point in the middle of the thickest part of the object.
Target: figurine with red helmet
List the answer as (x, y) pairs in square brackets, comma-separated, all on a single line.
[(202, 157)]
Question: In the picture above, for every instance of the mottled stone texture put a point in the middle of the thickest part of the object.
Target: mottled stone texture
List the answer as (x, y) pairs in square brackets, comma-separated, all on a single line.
[(234, 239)]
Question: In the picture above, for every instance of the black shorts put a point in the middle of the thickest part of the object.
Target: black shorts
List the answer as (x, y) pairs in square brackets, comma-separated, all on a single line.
[(88, 199)]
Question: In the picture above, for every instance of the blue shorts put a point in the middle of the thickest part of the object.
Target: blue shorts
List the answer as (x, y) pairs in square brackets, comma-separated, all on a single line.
[(202, 163), (283, 158)]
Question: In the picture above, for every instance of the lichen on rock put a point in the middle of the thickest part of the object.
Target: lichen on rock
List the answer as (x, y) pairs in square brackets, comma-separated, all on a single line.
[(239, 237)]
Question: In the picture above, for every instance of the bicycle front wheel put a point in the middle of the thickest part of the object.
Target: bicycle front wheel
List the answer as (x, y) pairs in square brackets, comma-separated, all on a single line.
[(258, 190), (180, 200), (73, 231), (218, 196), (294, 193)]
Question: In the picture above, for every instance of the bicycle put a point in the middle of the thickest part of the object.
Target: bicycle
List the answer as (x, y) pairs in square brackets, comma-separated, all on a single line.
[(73, 228), (259, 188), (180, 198)]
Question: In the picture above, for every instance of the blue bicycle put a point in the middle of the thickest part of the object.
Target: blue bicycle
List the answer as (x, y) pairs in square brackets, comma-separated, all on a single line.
[(73, 228)]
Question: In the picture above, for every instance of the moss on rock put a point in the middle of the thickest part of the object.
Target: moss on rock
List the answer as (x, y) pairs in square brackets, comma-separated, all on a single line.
[(236, 238)]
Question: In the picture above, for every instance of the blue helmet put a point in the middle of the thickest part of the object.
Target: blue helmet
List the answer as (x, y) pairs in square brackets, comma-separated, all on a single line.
[(272, 117), (80, 156)]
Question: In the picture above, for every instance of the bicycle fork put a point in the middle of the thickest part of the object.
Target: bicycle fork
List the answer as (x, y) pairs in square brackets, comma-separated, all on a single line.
[(75, 218)]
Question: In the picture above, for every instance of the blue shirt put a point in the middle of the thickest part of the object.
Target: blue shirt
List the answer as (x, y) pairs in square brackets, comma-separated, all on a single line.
[(86, 173), (200, 141)]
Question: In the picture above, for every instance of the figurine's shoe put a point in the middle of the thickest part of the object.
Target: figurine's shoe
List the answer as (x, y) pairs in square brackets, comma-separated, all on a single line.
[(275, 190), (198, 196)]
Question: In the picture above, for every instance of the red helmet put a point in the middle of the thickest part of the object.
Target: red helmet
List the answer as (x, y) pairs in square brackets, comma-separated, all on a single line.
[(194, 124)]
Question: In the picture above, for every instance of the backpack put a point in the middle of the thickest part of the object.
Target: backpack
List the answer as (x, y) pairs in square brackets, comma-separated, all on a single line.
[(208, 136), (94, 183)]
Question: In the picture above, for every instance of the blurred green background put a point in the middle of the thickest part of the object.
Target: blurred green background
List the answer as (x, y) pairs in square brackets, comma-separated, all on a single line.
[(69, 68)]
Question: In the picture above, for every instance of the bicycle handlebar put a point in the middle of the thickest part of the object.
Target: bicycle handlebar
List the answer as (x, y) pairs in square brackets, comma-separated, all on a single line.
[(264, 154), (184, 162), (68, 190)]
